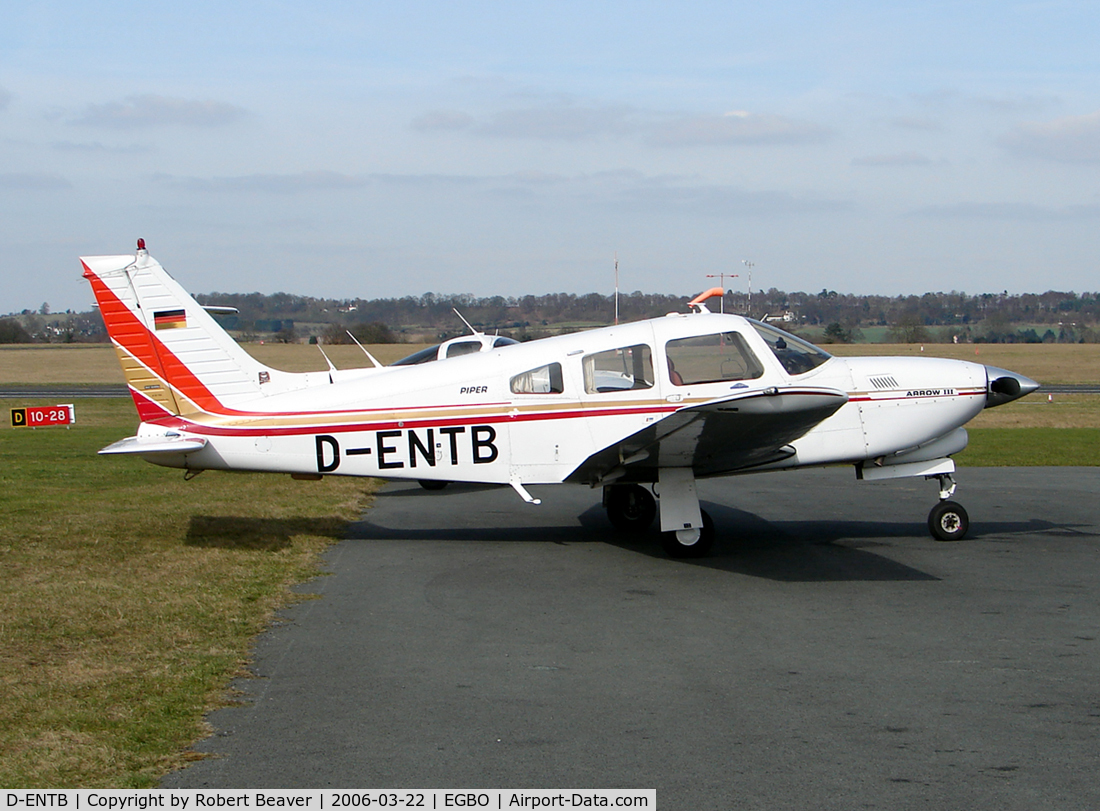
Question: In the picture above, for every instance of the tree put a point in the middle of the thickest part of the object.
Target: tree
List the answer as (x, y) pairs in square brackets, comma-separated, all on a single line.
[(836, 334), (909, 330), (374, 333), (12, 332), (287, 335)]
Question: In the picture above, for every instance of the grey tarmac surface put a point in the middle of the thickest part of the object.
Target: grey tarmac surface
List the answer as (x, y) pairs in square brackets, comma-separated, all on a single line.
[(829, 655)]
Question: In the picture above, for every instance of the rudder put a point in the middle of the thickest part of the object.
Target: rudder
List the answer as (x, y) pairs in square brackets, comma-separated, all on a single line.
[(176, 358)]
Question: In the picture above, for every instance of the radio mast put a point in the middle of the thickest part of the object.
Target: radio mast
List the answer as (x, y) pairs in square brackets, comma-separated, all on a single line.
[(616, 288)]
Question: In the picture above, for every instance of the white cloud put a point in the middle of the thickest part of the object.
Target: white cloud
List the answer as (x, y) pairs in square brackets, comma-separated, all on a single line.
[(1015, 103), (699, 199), (898, 159), (736, 128), (97, 147), (577, 122), (916, 123), (1012, 212), (33, 181), (442, 120), (150, 110), (625, 189), (562, 122), (1071, 139), (268, 183)]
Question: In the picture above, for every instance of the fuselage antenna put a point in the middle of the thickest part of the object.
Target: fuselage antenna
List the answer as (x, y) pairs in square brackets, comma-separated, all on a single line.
[(469, 326)]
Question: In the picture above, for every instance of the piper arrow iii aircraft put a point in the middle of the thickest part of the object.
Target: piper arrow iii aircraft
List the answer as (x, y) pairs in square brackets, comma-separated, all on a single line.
[(639, 410)]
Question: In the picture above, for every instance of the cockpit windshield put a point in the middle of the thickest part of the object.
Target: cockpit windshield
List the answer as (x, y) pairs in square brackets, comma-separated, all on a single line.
[(796, 356)]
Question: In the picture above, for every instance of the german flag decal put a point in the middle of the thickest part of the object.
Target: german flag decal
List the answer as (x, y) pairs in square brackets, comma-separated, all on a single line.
[(170, 319)]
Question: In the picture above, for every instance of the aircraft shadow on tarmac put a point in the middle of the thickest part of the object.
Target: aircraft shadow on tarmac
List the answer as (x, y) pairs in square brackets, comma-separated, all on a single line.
[(794, 550), (797, 551)]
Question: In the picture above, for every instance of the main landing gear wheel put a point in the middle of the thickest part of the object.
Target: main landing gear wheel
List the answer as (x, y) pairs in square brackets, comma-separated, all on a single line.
[(432, 484), (690, 543), (630, 507), (948, 521)]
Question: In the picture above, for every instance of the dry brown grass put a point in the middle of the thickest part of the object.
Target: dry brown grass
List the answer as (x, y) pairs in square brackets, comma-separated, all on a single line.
[(48, 364), (1046, 363), (90, 364), (306, 358), (130, 597)]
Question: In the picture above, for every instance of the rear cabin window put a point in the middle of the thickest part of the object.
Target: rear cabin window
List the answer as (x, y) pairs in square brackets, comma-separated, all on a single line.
[(625, 369), (711, 359), (543, 380)]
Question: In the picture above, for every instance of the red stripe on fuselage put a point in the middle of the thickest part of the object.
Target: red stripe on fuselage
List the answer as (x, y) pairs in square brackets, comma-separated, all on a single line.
[(180, 423)]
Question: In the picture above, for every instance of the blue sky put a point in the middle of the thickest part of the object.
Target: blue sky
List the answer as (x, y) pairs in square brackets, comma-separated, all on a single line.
[(368, 149)]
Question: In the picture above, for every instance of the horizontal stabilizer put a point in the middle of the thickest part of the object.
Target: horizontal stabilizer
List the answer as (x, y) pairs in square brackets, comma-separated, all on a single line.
[(145, 445)]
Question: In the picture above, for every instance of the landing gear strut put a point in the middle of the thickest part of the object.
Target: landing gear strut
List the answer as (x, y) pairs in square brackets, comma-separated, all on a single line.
[(690, 543), (948, 520), (630, 507), (686, 530)]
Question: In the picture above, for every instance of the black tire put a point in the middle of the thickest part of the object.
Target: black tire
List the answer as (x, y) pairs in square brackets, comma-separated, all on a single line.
[(948, 521), (432, 484), (630, 507), (676, 548)]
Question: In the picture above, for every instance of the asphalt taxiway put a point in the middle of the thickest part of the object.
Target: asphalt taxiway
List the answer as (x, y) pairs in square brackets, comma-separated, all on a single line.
[(830, 654)]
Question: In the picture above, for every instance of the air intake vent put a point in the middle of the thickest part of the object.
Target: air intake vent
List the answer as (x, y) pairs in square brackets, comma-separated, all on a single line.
[(884, 383)]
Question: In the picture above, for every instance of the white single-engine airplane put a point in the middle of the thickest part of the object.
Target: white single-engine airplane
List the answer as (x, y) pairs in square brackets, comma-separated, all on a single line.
[(637, 409)]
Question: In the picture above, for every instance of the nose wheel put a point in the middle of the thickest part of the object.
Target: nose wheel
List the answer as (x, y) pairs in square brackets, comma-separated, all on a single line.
[(948, 520)]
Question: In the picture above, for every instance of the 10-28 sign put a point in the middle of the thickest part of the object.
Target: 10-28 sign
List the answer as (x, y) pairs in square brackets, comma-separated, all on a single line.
[(38, 416)]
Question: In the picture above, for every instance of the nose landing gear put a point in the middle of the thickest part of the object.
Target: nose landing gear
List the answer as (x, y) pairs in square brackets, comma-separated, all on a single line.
[(948, 520)]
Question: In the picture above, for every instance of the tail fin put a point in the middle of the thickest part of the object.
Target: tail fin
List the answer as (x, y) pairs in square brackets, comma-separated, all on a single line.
[(176, 358)]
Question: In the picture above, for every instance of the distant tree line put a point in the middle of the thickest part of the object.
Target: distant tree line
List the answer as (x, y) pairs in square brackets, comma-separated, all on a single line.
[(827, 316)]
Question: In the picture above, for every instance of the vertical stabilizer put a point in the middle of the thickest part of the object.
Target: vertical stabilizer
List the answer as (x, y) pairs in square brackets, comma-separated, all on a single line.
[(176, 358)]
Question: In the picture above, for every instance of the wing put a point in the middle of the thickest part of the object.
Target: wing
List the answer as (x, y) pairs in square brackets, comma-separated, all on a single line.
[(719, 436)]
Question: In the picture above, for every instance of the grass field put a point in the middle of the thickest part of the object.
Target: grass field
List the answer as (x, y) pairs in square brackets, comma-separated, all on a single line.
[(1046, 363), (130, 597), (88, 364)]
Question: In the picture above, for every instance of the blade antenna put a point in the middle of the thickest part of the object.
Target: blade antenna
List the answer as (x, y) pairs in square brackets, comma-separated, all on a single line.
[(373, 359), (469, 326), (331, 368)]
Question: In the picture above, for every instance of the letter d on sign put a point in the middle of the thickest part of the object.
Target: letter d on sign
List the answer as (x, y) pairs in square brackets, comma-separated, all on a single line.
[(334, 449), (18, 418)]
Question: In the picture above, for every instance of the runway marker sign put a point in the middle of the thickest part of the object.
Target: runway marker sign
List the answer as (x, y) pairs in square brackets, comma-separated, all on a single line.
[(42, 416)]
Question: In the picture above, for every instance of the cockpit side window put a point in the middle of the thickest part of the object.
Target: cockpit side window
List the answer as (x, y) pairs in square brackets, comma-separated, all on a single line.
[(624, 369), (711, 359), (463, 348), (796, 356), (543, 380)]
